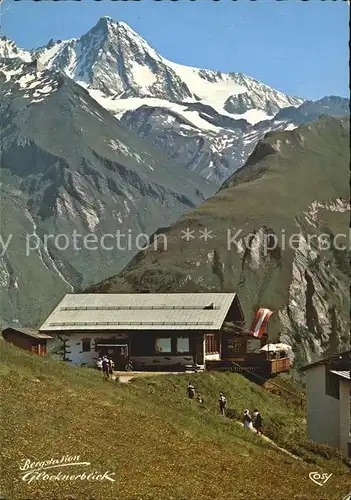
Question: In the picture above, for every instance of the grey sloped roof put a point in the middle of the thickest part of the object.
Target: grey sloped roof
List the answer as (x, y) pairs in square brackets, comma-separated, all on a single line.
[(27, 331), (341, 374), (146, 311), (335, 359)]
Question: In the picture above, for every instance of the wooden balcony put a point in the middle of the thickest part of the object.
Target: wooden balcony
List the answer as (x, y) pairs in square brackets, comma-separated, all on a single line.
[(279, 365), (251, 363)]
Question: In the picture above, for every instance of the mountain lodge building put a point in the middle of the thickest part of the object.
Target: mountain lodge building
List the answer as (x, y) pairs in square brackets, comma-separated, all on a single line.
[(154, 331)]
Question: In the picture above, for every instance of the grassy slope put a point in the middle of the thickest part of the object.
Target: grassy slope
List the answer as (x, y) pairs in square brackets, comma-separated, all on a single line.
[(159, 444)]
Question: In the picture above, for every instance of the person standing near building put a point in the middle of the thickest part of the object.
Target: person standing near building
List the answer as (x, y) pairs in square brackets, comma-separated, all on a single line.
[(99, 364), (106, 367), (222, 403), (190, 391), (111, 364), (247, 420), (257, 421)]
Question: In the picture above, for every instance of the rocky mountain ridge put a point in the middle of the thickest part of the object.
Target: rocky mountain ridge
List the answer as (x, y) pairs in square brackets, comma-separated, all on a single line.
[(205, 120)]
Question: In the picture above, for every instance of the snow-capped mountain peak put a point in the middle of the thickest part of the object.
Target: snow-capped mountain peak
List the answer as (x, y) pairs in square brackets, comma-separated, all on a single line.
[(209, 116), (9, 49), (113, 62), (110, 57), (111, 26)]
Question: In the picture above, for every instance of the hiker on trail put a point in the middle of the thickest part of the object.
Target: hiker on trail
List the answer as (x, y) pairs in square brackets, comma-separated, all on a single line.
[(190, 391), (106, 367), (257, 421), (111, 366), (222, 403), (247, 420), (200, 399), (99, 364)]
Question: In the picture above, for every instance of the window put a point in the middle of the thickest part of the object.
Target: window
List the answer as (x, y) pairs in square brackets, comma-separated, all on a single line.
[(331, 384), (212, 344), (183, 345), (238, 347), (163, 345), (253, 345), (86, 345)]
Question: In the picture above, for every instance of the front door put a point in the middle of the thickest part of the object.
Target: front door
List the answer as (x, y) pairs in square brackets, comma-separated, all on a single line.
[(118, 354), (120, 357)]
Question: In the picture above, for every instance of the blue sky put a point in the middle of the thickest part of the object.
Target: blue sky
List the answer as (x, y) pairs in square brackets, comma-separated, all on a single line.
[(298, 47)]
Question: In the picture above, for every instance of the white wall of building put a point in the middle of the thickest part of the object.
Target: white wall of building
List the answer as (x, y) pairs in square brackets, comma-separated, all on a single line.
[(323, 414), (78, 357), (74, 345), (345, 435)]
